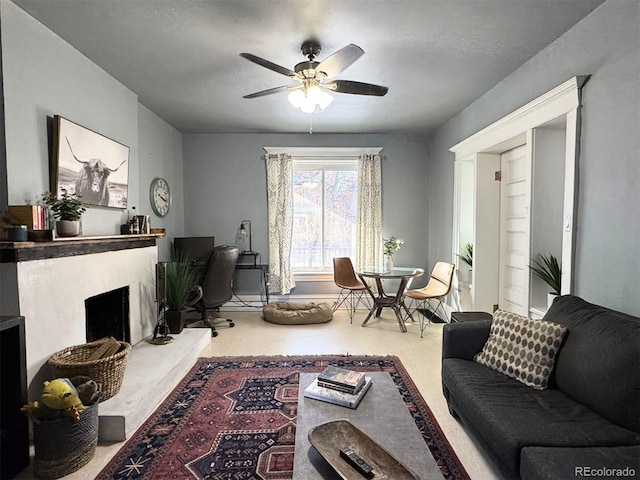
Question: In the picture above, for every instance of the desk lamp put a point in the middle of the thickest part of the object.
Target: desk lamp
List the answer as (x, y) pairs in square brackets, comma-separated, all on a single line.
[(244, 234)]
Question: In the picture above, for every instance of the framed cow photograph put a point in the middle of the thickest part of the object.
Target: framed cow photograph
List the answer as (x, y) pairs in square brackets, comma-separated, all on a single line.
[(89, 164)]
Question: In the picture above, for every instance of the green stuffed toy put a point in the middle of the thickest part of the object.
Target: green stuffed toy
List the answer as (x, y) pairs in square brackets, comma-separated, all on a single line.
[(59, 398)]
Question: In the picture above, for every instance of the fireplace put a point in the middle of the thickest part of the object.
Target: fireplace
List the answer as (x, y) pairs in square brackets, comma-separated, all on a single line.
[(107, 315), (50, 281)]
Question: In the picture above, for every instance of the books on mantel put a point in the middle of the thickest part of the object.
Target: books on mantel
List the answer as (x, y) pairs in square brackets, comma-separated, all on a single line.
[(331, 395), (35, 217), (341, 379)]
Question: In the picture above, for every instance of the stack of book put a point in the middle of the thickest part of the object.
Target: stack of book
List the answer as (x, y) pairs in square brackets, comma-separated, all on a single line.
[(35, 217), (339, 386)]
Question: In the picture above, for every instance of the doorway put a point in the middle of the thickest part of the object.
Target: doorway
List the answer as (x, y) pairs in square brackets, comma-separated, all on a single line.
[(515, 219), (507, 224)]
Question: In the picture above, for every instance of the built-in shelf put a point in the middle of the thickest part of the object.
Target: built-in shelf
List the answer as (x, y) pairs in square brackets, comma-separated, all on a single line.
[(14, 427), (14, 252)]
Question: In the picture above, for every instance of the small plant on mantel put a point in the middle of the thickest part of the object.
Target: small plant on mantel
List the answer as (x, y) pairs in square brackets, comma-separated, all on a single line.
[(67, 209)]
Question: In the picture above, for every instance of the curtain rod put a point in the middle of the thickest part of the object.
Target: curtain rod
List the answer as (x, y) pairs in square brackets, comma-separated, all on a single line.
[(324, 151)]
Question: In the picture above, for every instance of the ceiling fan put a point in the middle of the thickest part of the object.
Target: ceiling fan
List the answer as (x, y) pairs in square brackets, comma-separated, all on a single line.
[(316, 79)]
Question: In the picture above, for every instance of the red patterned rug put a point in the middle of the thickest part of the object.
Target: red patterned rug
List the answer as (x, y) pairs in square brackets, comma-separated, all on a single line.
[(235, 418)]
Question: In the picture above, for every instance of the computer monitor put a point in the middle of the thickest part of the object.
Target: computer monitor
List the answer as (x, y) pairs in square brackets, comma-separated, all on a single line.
[(195, 249)]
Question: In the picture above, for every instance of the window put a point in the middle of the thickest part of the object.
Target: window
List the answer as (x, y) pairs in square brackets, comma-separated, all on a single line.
[(325, 212)]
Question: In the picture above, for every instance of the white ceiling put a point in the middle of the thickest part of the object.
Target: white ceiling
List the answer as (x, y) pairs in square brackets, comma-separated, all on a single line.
[(181, 56)]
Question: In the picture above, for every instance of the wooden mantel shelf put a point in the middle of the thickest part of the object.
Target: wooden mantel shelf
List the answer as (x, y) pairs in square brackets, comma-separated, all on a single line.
[(14, 252)]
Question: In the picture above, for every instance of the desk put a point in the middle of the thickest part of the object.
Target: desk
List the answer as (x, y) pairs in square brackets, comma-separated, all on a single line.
[(14, 454), (252, 264), (382, 299)]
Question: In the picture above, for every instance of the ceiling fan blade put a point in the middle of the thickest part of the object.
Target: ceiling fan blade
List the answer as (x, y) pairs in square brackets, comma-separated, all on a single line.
[(270, 91), (340, 60), (267, 64), (358, 88)]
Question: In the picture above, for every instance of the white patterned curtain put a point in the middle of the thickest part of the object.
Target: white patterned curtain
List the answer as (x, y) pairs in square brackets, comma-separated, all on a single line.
[(369, 237), (280, 209)]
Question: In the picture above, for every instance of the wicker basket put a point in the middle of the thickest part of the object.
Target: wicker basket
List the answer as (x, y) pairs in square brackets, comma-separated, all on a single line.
[(63, 445), (107, 371)]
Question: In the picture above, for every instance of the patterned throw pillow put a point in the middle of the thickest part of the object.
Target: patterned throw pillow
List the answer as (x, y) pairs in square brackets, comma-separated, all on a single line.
[(522, 348)]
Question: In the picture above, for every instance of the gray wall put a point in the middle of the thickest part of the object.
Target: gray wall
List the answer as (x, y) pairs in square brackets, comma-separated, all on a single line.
[(226, 179), (44, 76), (547, 202), (160, 147), (224, 174), (606, 45)]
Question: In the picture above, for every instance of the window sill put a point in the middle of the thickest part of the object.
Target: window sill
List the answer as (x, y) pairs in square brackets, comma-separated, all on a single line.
[(313, 276)]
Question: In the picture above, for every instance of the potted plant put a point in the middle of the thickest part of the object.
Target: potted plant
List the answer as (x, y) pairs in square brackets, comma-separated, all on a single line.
[(391, 245), (548, 269), (466, 255), (67, 209), (181, 279)]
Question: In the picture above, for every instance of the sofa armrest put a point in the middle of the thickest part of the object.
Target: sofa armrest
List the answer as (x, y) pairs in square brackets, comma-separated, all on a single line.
[(464, 340)]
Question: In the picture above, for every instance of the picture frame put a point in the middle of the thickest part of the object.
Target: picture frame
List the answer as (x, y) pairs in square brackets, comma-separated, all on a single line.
[(89, 164)]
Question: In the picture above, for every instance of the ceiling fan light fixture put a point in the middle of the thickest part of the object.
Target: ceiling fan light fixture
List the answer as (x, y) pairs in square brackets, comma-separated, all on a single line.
[(312, 91), (307, 98), (308, 107), (321, 97), (296, 97)]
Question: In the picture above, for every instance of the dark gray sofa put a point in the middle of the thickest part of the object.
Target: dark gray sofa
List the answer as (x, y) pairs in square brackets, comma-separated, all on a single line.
[(586, 424)]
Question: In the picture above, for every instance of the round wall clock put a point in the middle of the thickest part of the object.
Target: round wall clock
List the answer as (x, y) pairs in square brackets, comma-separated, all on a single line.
[(160, 196)]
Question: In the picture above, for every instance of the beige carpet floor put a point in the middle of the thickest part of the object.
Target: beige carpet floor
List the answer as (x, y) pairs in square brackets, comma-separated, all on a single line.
[(421, 357)]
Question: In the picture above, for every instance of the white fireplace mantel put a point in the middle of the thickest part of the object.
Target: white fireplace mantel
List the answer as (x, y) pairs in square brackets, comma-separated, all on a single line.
[(53, 279)]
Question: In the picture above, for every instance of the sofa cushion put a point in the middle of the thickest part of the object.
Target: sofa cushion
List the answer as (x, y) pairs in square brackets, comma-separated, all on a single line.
[(549, 463), (599, 363), (522, 348), (508, 415)]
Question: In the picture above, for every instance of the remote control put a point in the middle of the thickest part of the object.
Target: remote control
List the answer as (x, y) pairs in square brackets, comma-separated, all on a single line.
[(357, 462)]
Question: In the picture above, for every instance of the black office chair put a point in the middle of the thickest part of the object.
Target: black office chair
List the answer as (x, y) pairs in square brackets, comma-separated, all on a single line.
[(215, 287)]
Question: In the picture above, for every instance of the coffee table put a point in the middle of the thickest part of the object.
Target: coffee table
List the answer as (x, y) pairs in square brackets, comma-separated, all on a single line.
[(382, 415)]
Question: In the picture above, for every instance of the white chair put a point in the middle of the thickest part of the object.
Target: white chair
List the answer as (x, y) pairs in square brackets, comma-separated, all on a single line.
[(438, 287)]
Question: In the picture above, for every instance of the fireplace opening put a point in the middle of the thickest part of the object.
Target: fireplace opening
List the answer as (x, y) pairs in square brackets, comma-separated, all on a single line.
[(107, 315)]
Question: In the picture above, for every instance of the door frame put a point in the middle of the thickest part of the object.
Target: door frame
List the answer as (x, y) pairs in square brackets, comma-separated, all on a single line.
[(482, 148)]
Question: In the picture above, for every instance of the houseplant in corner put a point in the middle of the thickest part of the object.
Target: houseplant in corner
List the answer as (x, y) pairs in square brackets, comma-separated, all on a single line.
[(548, 269), (181, 279), (466, 255), (67, 209)]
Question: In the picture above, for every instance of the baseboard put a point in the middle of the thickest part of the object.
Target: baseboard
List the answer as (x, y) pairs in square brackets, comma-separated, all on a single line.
[(250, 303)]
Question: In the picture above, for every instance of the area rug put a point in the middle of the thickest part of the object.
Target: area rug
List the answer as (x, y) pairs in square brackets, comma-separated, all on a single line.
[(235, 417)]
